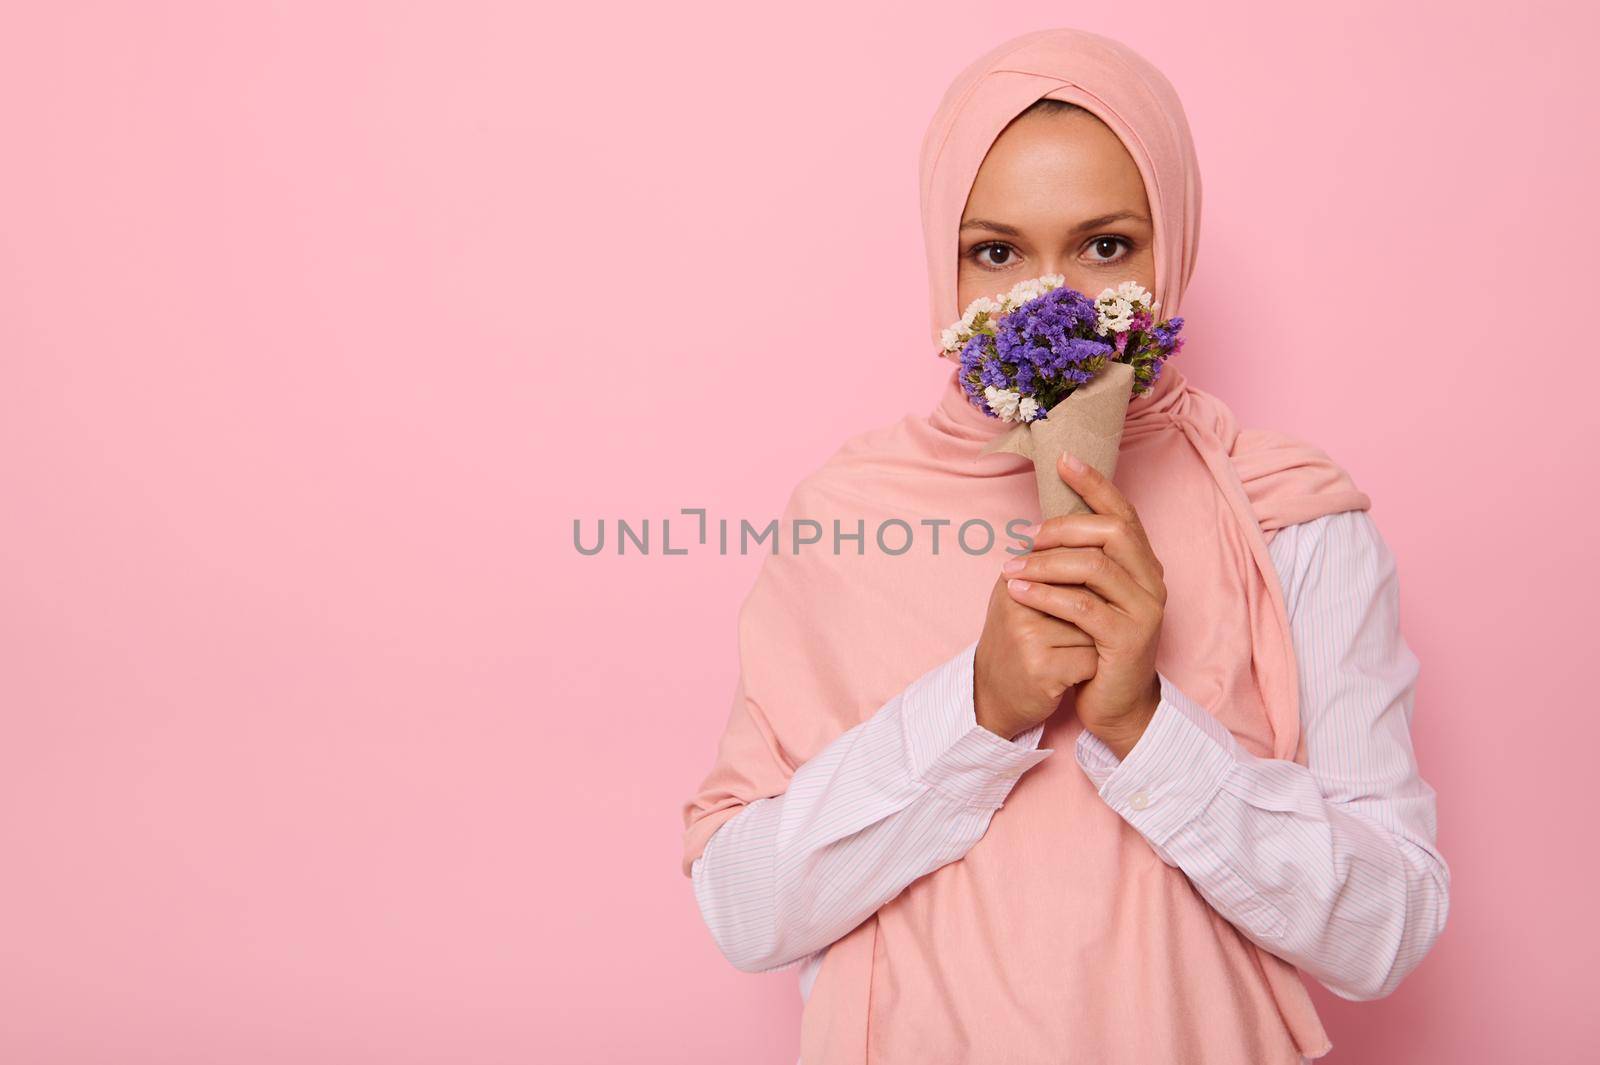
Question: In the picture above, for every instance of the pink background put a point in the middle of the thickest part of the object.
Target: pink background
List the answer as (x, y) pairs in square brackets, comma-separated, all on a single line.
[(320, 323)]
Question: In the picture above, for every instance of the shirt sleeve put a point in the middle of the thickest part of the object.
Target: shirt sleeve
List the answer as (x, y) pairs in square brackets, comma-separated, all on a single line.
[(1332, 866), (908, 790)]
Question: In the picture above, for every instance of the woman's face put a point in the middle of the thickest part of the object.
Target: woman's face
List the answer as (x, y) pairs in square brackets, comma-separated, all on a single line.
[(1057, 194)]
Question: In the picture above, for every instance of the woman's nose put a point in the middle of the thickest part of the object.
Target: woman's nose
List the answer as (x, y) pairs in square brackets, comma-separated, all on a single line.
[(1067, 268), (1064, 265)]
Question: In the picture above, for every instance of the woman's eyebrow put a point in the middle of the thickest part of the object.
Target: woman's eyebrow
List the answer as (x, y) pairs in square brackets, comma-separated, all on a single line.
[(998, 227), (1107, 219), (1088, 223)]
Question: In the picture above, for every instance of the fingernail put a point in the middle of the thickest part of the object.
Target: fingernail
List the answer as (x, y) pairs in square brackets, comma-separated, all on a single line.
[(1014, 565), (1074, 463), (1017, 586)]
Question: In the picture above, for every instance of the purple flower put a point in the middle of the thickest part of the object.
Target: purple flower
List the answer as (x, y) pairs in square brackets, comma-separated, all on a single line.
[(1048, 346)]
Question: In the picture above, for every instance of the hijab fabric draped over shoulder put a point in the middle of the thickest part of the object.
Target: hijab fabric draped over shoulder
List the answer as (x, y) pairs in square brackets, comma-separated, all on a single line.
[(1060, 936)]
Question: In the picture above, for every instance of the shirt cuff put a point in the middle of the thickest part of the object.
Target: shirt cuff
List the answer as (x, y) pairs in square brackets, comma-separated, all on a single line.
[(1171, 774), (950, 751)]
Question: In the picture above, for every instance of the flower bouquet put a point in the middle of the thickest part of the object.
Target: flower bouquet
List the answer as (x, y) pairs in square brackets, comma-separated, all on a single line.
[(1063, 367)]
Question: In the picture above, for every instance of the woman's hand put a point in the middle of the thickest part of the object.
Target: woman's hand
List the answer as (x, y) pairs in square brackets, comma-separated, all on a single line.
[(1098, 574), (1025, 662)]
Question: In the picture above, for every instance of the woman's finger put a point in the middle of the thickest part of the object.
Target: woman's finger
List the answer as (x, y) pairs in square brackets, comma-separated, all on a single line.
[(1055, 632), (1078, 606), (1096, 488), (1123, 543), (1063, 633), (1090, 567)]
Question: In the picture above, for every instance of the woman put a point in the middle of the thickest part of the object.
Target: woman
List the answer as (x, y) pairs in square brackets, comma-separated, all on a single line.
[(1101, 803)]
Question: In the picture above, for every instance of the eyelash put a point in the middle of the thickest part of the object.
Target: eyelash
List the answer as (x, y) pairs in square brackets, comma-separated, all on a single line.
[(978, 250)]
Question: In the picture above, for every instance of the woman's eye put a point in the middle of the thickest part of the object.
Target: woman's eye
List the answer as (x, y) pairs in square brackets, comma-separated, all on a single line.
[(1107, 249), (993, 254)]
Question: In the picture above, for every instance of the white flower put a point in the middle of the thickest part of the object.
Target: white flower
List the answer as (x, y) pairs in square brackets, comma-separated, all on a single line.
[(1128, 291), (1004, 402), (953, 338), (1027, 409), (1031, 289), (1117, 306), (979, 306), (1114, 317)]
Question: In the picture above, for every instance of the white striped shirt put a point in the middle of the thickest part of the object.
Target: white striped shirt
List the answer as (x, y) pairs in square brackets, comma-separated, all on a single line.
[(1331, 866)]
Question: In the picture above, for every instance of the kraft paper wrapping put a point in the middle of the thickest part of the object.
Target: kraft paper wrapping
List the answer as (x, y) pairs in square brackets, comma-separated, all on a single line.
[(1088, 424)]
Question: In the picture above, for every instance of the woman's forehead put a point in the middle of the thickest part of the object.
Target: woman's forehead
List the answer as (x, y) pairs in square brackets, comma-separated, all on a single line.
[(1052, 168)]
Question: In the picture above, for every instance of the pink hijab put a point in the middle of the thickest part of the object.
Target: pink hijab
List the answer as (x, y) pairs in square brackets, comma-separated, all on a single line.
[(1060, 936)]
